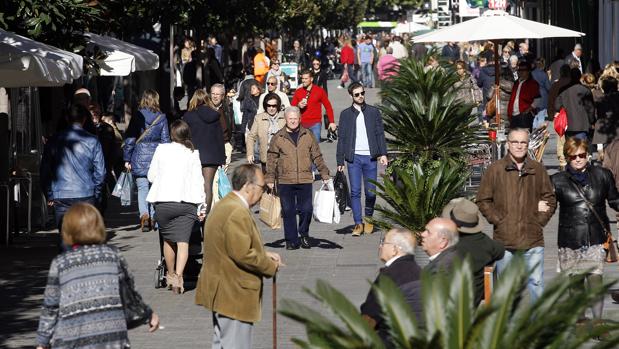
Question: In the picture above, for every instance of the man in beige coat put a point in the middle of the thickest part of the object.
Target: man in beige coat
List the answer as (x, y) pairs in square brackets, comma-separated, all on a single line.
[(230, 282)]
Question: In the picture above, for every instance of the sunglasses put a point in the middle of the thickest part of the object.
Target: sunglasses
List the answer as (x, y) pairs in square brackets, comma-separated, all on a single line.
[(271, 83), (271, 105), (362, 93), (581, 155)]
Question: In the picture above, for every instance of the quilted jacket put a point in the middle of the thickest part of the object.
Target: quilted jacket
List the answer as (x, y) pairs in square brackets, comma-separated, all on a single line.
[(140, 154)]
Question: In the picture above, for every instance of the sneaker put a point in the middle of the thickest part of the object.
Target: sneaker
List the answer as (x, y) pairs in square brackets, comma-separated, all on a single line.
[(357, 230), (368, 228)]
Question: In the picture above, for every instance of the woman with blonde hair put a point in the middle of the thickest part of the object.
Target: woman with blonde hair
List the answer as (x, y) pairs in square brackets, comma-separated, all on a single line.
[(582, 191), (147, 129), (208, 138), (82, 306), (178, 196)]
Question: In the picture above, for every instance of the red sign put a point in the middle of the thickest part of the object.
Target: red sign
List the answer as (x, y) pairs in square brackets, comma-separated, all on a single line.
[(497, 4)]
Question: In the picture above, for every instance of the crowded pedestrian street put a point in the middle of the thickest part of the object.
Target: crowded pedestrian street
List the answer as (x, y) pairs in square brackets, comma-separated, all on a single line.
[(329, 175), (348, 263)]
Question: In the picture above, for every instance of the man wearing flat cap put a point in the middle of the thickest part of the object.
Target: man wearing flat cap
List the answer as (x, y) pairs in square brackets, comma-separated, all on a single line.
[(472, 243)]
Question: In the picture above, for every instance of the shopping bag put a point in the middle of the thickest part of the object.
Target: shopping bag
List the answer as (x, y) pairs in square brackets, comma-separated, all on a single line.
[(124, 188), (560, 122), (342, 194), (223, 183), (325, 205), (271, 210)]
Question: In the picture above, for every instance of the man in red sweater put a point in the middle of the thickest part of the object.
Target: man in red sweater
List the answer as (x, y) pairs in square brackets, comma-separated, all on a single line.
[(521, 109), (310, 98), (347, 58)]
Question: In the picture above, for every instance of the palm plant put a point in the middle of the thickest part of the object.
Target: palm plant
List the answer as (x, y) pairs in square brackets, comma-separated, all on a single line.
[(428, 130), (414, 196), (452, 322), (422, 115)]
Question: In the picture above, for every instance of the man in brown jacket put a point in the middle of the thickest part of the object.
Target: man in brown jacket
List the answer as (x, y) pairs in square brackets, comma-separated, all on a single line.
[(291, 154), (230, 282), (517, 197)]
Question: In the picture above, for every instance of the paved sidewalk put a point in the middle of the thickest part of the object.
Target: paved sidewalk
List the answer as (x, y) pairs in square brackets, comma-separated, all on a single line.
[(346, 262)]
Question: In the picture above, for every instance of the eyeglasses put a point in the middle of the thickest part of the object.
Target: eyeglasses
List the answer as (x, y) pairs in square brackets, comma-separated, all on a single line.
[(262, 187), (271, 83), (383, 242), (362, 93), (521, 143), (573, 157), (271, 105)]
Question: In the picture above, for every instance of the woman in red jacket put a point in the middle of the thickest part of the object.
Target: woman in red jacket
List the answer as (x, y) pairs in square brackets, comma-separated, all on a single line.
[(347, 58)]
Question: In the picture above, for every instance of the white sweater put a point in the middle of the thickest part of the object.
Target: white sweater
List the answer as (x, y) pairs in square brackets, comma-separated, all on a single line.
[(176, 174)]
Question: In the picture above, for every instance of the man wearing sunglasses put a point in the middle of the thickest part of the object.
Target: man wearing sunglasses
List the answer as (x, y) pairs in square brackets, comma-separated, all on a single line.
[(360, 145), (517, 197)]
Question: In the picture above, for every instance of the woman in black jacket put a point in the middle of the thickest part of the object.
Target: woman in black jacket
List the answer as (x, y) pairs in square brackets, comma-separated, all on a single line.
[(207, 137), (582, 191)]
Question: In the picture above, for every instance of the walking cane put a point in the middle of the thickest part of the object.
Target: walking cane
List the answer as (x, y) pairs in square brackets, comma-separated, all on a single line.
[(275, 311)]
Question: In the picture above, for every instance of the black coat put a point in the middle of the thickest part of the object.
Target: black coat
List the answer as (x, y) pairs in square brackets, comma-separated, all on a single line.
[(207, 135), (486, 81), (578, 226), (348, 133), (483, 251), (578, 103), (320, 79), (443, 262), (401, 271)]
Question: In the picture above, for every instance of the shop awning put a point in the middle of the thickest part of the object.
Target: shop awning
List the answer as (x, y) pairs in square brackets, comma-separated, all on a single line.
[(26, 62), (121, 58)]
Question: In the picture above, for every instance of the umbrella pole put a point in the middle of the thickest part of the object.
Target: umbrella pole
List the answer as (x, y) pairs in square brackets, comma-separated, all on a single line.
[(497, 79)]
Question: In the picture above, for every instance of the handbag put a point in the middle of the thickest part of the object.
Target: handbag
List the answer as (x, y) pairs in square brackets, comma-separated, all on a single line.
[(137, 313), (491, 105), (342, 194), (560, 122), (271, 209), (610, 245), (476, 93), (223, 183), (345, 76)]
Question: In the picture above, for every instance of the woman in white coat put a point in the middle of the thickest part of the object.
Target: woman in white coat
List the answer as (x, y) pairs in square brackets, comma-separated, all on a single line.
[(178, 195)]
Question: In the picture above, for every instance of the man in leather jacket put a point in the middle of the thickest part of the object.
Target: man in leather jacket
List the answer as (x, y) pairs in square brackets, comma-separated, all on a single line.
[(72, 167)]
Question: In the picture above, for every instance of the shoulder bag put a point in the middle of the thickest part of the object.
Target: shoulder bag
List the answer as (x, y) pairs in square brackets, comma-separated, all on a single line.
[(137, 313), (610, 245), (146, 131)]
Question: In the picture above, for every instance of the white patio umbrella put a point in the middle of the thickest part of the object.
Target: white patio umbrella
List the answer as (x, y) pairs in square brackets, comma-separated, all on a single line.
[(26, 62), (122, 58), (409, 27), (496, 25)]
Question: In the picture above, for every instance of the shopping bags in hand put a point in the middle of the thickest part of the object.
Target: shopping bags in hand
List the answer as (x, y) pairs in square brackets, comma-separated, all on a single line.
[(223, 183), (271, 210), (342, 194), (325, 205), (124, 188)]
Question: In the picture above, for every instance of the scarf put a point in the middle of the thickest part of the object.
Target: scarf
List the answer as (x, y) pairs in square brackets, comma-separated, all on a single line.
[(581, 177), (273, 127)]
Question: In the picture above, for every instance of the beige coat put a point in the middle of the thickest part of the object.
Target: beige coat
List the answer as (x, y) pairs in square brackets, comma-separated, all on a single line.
[(230, 281), (260, 130)]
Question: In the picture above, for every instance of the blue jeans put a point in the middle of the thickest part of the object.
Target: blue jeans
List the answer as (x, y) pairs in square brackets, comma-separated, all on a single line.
[(143, 187), (352, 75), (316, 128), (61, 206), (577, 134), (296, 198), (362, 168), (534, 259), (367, 74)]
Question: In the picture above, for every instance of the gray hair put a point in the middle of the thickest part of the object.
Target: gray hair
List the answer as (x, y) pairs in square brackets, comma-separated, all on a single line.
[(518, 129), (513, 58), (220, 86), (404, 239), (292, 110), (449, 235)]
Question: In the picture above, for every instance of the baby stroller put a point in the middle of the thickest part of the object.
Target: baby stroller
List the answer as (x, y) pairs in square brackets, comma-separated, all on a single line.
[(194, 262)]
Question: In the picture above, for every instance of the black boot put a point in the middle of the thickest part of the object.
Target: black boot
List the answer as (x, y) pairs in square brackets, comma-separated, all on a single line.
[(305, 243), (292, 246)]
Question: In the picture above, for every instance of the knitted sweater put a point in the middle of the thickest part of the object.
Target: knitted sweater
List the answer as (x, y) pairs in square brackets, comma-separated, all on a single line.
[(82, 307)]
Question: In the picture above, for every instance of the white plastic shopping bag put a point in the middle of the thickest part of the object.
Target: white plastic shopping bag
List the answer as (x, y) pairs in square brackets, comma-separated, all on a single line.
[(325, 205)]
